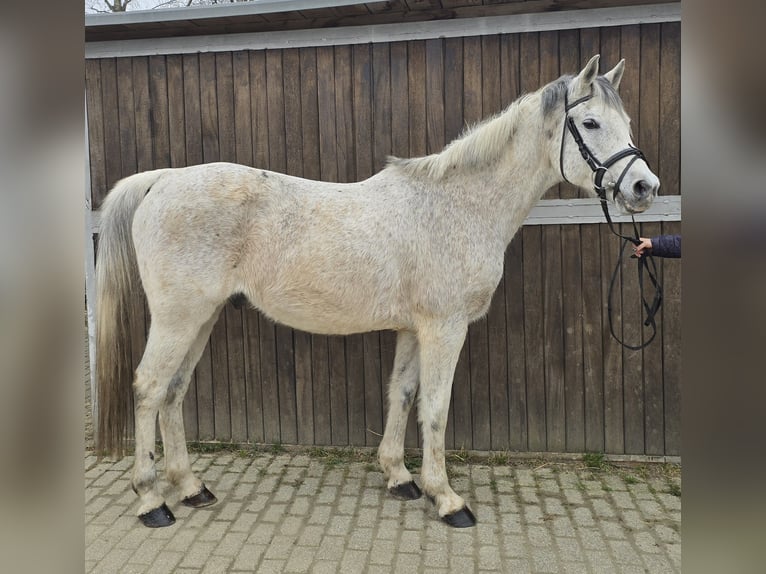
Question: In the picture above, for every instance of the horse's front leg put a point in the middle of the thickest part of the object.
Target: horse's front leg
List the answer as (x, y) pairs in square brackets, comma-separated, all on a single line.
[(440, 347), (401, 394)]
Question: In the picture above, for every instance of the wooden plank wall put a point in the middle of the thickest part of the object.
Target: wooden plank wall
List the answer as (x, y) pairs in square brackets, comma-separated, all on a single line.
[(541, 372)]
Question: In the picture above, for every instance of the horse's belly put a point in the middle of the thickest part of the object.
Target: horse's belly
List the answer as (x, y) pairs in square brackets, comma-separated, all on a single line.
[(324, 316)]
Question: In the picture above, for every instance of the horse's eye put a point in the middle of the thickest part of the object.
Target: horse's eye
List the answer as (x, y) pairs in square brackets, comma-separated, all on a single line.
[(590, 124)]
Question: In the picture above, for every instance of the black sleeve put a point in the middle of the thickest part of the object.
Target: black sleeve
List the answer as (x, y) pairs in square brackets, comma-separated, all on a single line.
[(666, 246)]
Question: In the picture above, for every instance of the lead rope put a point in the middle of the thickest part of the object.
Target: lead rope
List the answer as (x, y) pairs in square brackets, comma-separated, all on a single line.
[(646, 265)]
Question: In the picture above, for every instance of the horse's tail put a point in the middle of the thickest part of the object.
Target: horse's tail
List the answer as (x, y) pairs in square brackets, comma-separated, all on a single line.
[(116, 280)]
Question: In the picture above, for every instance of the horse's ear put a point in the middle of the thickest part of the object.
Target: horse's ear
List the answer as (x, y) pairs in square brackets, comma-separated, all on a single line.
[(585, 78), (615, 74)]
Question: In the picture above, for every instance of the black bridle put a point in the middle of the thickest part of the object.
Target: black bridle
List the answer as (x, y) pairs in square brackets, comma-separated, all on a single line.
[(599, 169)]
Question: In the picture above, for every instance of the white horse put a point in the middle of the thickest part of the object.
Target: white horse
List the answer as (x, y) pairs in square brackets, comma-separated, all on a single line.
[(417, 248)]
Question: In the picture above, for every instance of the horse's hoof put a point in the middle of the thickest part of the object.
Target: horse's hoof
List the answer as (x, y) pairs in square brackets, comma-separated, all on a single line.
[(462, 518), (203, 498), (406, 491), (158, 517)]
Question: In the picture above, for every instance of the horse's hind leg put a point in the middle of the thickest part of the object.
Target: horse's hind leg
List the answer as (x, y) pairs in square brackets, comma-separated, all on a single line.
[(177, 466), (401, 394), (166, 348)]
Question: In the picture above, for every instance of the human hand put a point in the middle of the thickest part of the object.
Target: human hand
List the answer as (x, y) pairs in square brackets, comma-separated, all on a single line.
[(645, 244)]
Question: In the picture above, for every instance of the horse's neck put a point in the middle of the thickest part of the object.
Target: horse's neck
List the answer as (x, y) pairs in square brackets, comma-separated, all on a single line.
[(509, 188)]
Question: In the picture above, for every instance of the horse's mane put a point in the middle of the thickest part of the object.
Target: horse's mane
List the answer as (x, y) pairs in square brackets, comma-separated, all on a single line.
[(483, 143)]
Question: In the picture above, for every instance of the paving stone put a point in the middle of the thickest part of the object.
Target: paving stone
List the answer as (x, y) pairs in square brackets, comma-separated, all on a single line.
[(291, 513)]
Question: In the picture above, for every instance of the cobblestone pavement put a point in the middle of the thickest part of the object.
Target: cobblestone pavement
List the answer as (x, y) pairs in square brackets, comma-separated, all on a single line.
[(299, 512)]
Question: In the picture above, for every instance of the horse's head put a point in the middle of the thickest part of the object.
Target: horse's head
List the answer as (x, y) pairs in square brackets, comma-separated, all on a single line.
[(595, 150)]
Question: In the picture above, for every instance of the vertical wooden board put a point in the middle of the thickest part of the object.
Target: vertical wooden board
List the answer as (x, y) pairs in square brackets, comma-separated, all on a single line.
[(633, 333), (209, 108), (453, 88), (435, 96), (304, 402), (592, 338), (95, 118), (654, 406), (259, 119), (320, 362), (217, 405), (149, 136), (476, 398), (192, 111), (549, 71), (669, 173), (553, 333), (534, 337), (292, 88), (614, 439), (127, 149), (126, 111), (451, 117), (509, 69), (112, 153), (288, 423), (302, 133), (362, 110), (267, 343), (614, 431), (237, 382), (159, 106), (243, 129), (569, 63), (417, 138), (671, 348), (400, 140), (309, 113), (553, 327), (590, 45), (472, 88), (490, 76), (381, 112), (326, 101), (275, 98), (387, 352), (252, 375), (496, 343), (649, 135), (362, 114), (339, 405), (176, 112), (416, 83), (669, 164), (344, 127), (572, 300), (357, 425), (373, 388), (354, 347), (513, 276), (529, 50), (498, 371), (201, 392)]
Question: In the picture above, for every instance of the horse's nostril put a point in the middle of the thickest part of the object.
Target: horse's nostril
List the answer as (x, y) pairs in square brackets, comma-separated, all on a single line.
[(641, 188)]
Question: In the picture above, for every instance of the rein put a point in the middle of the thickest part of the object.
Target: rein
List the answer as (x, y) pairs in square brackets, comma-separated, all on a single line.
[(646, 264)]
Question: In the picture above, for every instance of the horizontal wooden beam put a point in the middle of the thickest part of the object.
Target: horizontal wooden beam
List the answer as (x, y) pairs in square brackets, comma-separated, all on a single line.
[(539, 22), (560, 212)]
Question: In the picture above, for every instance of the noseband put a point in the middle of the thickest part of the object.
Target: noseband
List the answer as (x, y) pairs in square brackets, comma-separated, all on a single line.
[(599, 169)]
